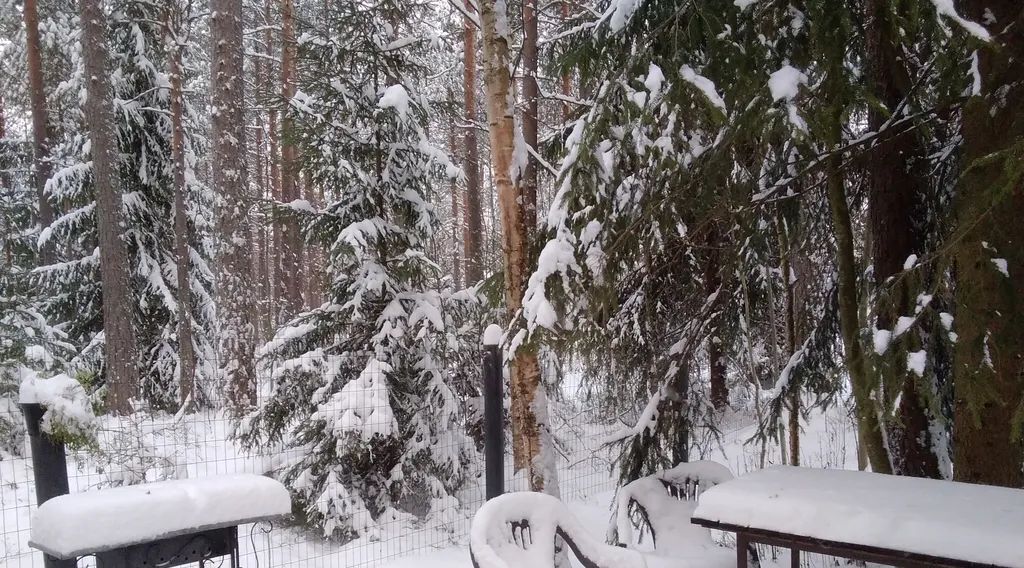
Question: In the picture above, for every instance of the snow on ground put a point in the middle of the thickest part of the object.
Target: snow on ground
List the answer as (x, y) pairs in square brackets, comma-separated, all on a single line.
[(199, 445)]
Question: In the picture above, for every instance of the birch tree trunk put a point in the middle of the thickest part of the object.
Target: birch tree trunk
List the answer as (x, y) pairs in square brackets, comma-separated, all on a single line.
[(472, 228), (186, 351), (987, 372), (37, 98), (527, 394), (119, 347), (237, 334)]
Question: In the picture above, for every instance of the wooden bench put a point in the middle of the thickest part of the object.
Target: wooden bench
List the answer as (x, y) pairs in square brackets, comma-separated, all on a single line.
[(890, 520), (164, 524)]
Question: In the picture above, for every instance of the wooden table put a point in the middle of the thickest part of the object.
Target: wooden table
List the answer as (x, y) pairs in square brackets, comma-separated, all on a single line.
[(897, 521)]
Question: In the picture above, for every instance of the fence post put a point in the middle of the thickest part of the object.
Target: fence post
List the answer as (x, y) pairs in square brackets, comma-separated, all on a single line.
[(494, 413), (49, 468)]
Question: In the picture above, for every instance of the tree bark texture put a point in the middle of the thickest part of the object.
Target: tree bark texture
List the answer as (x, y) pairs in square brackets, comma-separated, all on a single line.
[(525, 369), (716, 353), (186, 351), (896, 187), (291, 244), (472, 235), (40, 124), (989, 352), (237, 330), (119, 348), (868, 423), (531, 93)]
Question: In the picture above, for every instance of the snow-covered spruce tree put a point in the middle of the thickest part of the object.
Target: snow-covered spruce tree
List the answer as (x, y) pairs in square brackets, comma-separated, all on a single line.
[(28, 345), (358, 383), (73, 296), (641, 268)]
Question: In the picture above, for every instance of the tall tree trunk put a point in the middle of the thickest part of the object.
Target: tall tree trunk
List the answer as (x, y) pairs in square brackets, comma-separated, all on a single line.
[(40, 135), (291, 267), (472, 236), (456, 248), (716, 355), (525, 369), (794, 396), (237, 337), (264, 275), (312, 267), (566, 76), (119, 346), (893, 211), (988, 381), (531, 92), (278, 284), (868, 424), (186, 352)]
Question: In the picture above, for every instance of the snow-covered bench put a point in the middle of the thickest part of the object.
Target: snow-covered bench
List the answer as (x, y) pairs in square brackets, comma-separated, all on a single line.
[(520, 530), (167, 523), (890, 520)]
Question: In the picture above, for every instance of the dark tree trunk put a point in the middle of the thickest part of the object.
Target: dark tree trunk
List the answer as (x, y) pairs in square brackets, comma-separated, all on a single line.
[(988, 381), (278, 282), (531, 93), (895, 190), (291, 247), (186, 352), (119, 347), (716, 354), (40, 134), (237, 337), (472, 235)]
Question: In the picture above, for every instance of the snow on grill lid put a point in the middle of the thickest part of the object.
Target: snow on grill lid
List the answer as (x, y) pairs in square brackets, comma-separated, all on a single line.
[(960, 521), (93, 521)]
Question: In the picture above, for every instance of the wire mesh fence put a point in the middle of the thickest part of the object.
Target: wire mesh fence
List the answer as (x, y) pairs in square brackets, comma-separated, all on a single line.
[(355, 457)]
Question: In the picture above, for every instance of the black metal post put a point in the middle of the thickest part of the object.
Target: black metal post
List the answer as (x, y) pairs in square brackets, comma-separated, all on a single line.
[(49, 468), (494, 419)]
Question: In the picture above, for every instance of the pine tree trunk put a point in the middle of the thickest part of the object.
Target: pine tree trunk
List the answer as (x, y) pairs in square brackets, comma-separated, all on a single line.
[(237, 334), (566, 76), (525, 369), (40, 134), (264, 275), (716, 355), (290, 240), (988, 381), (186, 352), (456, 248), (794, 396), (278, 283), (895, 188), (868, 425), (531, 92), (472, 235), (119, 346)]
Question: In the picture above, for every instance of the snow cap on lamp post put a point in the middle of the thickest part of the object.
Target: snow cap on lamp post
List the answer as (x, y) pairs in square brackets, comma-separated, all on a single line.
[(492, 335)]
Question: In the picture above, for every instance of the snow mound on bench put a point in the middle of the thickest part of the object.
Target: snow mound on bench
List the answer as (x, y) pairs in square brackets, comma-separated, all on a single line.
[(105, 519)]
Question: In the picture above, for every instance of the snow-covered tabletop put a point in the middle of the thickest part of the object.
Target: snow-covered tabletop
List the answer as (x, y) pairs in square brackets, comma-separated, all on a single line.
[(958, 521), (107, 519)]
